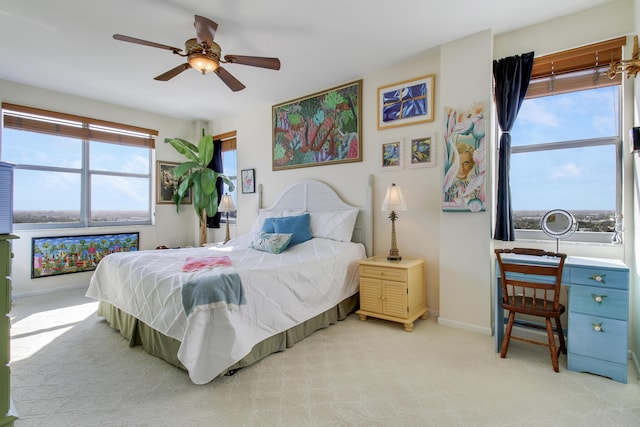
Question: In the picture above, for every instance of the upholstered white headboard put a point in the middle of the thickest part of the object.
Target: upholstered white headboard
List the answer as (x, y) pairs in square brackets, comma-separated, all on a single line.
[(316, 196)]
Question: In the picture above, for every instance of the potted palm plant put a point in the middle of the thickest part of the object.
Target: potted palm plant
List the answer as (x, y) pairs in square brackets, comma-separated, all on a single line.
[(196, 174)]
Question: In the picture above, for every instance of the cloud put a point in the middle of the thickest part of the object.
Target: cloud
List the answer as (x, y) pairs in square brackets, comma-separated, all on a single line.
[(568, 170), (536, 112)]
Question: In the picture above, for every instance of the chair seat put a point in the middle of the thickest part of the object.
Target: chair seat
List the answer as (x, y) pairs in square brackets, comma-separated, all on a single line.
[(528, 307)]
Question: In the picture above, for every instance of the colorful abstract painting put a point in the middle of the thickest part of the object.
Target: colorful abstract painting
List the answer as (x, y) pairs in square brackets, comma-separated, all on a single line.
[(463, 188), (320, 129), (391, 158), (52, 256), (406, 103)]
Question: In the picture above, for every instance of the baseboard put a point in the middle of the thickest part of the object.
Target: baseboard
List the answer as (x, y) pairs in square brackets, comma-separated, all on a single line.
[(636, 363), (41, 292), (465, 326)]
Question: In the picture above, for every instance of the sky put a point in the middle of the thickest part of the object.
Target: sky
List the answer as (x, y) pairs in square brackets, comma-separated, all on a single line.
[(572, 179)]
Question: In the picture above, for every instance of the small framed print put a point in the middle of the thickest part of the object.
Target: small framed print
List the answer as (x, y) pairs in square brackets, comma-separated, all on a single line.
[(168, 183), (420, 151), (391, 155), (248, 181)]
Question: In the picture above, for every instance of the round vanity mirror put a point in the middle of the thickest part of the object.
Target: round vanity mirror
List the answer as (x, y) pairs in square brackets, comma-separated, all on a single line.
[(558, 223)]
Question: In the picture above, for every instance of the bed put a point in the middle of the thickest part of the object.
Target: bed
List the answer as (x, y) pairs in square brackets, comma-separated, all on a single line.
[(215, 309)]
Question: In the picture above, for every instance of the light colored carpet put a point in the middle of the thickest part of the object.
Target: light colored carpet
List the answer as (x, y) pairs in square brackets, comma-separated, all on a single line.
[(69, 368)]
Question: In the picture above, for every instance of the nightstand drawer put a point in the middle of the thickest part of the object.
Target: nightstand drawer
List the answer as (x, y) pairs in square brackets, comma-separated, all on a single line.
[(384, 273), (598, 337), (600, 277), (599, 301)]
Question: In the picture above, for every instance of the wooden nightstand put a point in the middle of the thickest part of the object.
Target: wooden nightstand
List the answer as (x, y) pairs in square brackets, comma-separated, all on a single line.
[(392, 290)]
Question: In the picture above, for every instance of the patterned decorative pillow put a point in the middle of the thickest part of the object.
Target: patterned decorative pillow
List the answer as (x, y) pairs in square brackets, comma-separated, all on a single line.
[(271, 242)]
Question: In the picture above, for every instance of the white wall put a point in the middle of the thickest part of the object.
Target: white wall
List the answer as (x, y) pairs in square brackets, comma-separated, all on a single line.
[(465, 237), (170, 229), (457, 246), (634, 343), (417, 228)]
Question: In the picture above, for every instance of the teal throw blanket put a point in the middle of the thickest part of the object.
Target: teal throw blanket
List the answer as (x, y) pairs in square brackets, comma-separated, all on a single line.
[(222, 288)]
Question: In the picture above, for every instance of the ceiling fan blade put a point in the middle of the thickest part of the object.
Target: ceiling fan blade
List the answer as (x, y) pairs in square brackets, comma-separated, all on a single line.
[(172, 72), (233, 83), (144, 42), (205, 30), (254, 61)]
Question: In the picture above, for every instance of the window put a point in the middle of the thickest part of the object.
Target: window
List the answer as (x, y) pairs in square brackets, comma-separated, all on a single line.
[(566, 143), (229, 167), (74, 171)]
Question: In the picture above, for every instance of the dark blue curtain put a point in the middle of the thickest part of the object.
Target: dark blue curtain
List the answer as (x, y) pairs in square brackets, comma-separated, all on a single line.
[(216, 165), (511, 79)]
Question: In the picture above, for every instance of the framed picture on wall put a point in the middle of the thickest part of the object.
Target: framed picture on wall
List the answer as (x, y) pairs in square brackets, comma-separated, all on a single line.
[(248, 181), (406, 103), (420, 151), (320, 129), (391, 155), (168, 183)]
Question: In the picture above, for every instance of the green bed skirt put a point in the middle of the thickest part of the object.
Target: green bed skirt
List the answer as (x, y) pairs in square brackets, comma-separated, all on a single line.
[(160, 345)]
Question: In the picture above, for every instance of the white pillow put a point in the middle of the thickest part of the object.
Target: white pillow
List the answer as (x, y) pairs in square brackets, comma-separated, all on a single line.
[(266, 213), (334, 225)]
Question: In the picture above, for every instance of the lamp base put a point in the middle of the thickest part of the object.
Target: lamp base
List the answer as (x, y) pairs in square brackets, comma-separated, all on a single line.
[(394, 254)]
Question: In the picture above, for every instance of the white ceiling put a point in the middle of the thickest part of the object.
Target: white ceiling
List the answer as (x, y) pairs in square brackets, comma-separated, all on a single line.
[(67, 45)]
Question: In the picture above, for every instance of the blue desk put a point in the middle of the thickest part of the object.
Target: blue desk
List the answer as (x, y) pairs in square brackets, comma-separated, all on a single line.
[(598, 312)]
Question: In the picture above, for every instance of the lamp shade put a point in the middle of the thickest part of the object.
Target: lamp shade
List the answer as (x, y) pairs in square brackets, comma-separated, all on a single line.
[(393, 200), (226, 204)]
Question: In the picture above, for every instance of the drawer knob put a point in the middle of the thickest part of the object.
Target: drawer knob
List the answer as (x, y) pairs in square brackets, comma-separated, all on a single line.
[(597, 327), (598, 298), (598, 278)]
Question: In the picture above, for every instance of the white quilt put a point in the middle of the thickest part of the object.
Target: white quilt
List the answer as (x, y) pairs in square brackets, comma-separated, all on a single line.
[(281, 290)]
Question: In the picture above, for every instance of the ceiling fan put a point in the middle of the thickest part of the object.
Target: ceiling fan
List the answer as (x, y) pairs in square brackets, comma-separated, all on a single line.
[(204, 55)]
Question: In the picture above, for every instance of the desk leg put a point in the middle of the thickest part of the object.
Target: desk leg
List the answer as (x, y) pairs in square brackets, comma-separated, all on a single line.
[(498, 320)]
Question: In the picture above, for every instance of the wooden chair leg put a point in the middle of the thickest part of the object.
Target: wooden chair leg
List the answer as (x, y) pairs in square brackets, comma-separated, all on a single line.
[(507, 335), (563, 345), (552, 345)]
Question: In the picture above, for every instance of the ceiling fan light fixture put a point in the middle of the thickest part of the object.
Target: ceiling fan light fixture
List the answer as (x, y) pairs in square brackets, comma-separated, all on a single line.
[(203, 62)]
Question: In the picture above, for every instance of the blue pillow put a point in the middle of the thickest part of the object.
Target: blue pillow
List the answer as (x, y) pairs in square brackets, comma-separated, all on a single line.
[(267, 226), (299, 226)]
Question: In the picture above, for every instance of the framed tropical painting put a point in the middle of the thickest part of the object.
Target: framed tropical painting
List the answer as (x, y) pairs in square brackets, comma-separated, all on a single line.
[(319, 129)]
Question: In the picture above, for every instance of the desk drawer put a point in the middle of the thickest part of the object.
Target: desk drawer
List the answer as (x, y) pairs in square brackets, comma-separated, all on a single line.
[(599, 301), (608, 343), (603, 278), (398, 274)]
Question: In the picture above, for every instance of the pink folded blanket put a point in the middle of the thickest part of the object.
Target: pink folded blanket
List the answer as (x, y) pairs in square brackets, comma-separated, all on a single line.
[(195, 264)]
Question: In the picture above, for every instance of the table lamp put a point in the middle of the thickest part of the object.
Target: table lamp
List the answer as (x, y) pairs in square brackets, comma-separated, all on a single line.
[(226, 206), (393, 201)]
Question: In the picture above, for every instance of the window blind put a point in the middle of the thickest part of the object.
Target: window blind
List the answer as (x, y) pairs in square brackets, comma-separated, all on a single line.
[(61, 124), (576, 69)]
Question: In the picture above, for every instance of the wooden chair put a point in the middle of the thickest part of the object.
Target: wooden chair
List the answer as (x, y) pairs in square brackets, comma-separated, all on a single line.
[(533, 289)]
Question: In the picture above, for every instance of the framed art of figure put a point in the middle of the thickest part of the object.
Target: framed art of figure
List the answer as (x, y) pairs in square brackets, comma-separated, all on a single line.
[(420, 151), (406, 103), (463, 188), (320, 129), (248, 181), (168, 183)]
